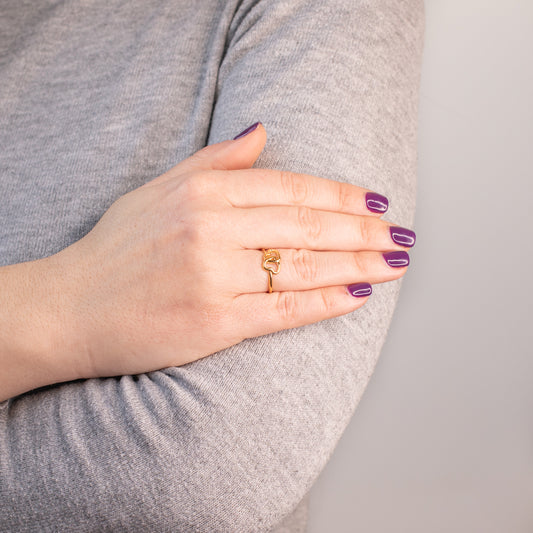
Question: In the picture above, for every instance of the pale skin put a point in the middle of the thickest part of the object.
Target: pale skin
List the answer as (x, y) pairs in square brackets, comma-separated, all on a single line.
[(172, 272)]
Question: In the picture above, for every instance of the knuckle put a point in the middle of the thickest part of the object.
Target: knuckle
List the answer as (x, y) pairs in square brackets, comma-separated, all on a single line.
[(197, 227), (305, 265), (295, 186), (358, 264), (287, 306), (366, 230), (310, 225), (194, 186), (344, 196), (329, 303)]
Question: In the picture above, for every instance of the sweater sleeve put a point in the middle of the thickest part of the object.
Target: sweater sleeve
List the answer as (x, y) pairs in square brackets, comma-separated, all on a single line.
[(234, 441)]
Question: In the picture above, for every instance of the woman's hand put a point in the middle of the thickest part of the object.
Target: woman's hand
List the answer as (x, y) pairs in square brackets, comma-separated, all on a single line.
[(172, 272)]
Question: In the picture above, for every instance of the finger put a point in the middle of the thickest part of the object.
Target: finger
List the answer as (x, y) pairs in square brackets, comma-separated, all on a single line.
[(260, 314), (238, 153), (260, 187), (302, 269), (314, 229)]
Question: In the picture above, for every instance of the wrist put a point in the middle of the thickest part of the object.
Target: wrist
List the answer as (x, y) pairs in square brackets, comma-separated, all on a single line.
[(36, 337)]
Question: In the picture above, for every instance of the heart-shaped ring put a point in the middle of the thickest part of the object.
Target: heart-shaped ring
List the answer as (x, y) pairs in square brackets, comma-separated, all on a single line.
[(271, 263)]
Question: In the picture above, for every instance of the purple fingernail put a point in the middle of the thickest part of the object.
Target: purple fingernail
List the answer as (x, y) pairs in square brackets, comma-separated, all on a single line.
[(248, 130), (376, 203), (397, 259), (360, 290), (403, 236)]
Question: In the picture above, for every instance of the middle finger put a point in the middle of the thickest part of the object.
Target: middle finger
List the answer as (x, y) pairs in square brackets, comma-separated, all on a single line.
[(314, 229)]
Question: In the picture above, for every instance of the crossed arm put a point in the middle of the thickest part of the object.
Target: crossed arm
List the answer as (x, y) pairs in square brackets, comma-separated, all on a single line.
[(234, 441)]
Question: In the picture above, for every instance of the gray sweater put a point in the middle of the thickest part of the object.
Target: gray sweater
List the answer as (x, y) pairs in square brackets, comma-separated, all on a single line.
[(96, 98)]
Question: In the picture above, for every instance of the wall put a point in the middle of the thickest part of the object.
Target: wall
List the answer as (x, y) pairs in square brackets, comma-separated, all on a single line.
[(443, 438)]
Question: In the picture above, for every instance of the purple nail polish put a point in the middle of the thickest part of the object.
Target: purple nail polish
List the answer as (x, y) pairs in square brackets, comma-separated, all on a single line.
[(397, 259), (248, 130), (376, 203), (403, 236), (360, 290)]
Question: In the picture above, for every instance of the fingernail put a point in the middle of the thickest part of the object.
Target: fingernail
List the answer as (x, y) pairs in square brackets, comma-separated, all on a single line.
[(397, 259), (376, 202), (360, 290), (403, 236), (248, 130)]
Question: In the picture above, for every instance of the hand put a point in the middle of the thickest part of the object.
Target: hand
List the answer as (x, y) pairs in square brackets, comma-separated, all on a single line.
[(172, 272)]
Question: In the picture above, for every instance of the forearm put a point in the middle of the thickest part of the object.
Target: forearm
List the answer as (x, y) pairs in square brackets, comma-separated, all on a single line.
[(33, 348)]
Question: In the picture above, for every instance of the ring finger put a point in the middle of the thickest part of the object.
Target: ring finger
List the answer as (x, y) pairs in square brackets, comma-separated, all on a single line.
[(302, 269)]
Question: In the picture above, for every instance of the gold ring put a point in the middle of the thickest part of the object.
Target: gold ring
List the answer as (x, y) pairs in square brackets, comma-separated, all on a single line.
[(271, 263)]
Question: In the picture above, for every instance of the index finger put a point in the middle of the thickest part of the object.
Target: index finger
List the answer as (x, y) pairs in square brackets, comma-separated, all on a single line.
[(257, 187)]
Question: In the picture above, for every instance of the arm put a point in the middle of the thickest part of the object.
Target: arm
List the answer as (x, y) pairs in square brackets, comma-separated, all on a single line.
[(25, 332), (234, 441), (34, 350)]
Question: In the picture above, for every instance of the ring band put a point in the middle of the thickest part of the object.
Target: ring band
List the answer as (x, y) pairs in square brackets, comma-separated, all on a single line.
[(271, 263)]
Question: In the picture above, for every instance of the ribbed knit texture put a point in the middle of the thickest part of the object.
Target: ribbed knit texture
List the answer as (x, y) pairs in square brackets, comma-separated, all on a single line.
[(96, 98)]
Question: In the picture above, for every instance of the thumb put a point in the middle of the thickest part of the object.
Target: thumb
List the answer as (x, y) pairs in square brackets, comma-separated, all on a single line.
[(238, 153)]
